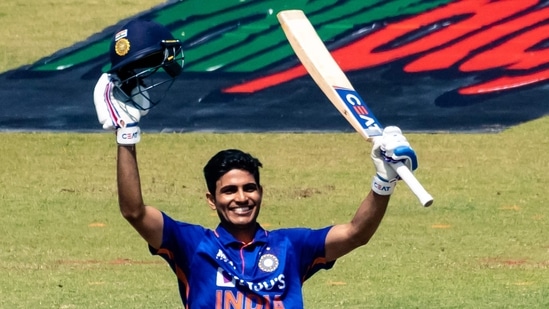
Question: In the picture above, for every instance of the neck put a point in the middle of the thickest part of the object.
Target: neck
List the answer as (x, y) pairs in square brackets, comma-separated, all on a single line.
[(244, 234)]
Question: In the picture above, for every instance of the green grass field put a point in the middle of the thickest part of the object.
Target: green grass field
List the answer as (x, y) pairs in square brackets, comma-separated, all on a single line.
[(483, 244), (33, 29)]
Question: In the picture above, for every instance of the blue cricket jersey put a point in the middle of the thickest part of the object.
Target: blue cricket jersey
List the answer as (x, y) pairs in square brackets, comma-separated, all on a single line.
[(215, 271)]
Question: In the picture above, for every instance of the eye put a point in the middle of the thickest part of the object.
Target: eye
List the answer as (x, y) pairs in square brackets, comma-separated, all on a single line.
[(228, 190), (250, 187)]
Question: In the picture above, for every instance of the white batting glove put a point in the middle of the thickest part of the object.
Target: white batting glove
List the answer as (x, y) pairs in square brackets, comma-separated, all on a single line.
[(389, 148), (115, 111)]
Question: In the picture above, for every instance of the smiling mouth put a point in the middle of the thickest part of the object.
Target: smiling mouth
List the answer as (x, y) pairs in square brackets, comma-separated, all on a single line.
[(242, 210)]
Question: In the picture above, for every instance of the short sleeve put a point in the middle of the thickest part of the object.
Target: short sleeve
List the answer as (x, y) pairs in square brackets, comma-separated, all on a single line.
[(179, 240), (310, 247)]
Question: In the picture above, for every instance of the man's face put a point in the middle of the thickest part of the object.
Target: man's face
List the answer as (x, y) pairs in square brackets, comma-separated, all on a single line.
[(237, 199)]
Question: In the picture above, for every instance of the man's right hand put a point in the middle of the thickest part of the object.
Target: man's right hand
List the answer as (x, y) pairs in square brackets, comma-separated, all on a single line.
[(116, 111)]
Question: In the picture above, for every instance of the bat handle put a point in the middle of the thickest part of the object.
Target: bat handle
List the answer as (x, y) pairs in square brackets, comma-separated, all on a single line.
[(405, 174)]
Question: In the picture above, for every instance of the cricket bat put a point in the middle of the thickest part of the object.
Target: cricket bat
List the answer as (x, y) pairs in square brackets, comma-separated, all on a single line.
[(331, 79)]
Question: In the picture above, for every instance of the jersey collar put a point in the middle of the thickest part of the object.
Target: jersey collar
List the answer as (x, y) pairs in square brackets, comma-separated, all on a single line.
[(227, 239)]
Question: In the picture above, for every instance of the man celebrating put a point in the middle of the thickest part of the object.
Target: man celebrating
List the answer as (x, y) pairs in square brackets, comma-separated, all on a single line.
[(239, 264)]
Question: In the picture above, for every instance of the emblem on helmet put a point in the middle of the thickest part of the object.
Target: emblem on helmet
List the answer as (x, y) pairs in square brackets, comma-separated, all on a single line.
[(122, 47), (268, 263)]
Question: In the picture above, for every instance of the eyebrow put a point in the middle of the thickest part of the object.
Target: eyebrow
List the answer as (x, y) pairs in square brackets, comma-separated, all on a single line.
[(234, 187)]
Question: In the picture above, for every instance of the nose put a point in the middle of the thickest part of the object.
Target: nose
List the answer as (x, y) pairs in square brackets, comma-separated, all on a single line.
[(241, 196)]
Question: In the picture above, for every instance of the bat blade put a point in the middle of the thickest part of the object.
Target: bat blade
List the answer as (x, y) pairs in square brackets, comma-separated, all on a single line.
[(331, 79)]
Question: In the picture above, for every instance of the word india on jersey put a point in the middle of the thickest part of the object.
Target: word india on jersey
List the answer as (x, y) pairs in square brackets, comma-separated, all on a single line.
[(228, 299)]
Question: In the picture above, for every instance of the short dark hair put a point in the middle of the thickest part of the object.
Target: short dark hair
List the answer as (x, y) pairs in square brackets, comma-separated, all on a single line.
[(227, 160)]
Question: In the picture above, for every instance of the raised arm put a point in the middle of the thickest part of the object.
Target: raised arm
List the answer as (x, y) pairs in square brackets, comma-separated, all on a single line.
[(147, 220), (392, 146), (343, 238), (121, 116)]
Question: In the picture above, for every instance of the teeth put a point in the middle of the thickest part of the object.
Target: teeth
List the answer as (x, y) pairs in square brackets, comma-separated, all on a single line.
[(242, 210)]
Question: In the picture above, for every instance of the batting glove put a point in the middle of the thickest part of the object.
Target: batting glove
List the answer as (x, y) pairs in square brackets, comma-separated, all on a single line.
[(116, 111), (389, 148)]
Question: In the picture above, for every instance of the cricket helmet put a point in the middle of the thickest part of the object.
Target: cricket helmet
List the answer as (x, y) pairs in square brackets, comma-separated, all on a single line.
[(138, 51)]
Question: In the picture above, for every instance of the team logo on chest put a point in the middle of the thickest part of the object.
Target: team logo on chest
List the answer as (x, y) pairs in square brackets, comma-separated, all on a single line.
[(268, 263)]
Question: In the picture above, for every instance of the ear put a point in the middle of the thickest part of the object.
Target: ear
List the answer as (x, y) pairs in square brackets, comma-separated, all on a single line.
[(211, 200)]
